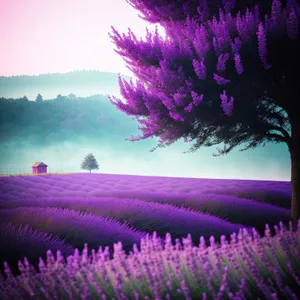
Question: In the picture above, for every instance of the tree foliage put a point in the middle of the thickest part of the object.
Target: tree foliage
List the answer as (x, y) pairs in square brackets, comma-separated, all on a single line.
[(162, 11), (54, 121), (39, 98), (59, 97), (71, 96), (89, 163), (226, 77)]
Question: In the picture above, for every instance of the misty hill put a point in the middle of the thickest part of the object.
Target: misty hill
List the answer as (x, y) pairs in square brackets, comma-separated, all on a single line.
[(81, 83), (60, 120)]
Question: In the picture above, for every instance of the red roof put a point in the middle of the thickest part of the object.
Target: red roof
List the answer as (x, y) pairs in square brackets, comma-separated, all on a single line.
[(39, 164)]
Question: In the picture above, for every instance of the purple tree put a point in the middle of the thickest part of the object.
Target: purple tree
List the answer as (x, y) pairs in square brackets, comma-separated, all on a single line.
[(224, 74)]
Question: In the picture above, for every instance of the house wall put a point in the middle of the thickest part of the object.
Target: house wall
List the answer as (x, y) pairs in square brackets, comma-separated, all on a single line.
[(42, 170), (38, 170)]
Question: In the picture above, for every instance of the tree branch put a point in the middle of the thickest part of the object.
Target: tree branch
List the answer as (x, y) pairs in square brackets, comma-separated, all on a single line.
[(281, 130), (278, 138)]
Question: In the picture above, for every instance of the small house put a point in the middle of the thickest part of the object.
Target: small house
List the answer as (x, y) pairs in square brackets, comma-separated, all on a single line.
[(39, 167)]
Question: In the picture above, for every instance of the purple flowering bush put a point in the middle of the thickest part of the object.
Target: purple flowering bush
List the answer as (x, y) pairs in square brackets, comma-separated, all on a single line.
[(247, 267)]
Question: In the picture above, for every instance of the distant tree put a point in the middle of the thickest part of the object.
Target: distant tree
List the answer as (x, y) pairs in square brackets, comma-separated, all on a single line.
[(39, 98), (22, 100), (71, 96), (89, 163), (222, 75), (59, 97)]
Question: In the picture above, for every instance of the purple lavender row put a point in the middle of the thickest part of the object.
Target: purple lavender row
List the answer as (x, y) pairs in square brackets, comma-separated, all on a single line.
[(247, 267)]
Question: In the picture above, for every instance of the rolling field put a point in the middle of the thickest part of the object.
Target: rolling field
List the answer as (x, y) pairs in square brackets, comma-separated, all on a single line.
[(63, 212)]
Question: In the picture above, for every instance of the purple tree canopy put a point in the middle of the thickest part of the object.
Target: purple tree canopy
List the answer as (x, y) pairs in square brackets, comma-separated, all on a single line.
[(230, 77), (162, 11)]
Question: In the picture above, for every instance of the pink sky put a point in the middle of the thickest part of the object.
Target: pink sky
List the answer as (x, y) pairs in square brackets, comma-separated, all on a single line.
[(47, 36)]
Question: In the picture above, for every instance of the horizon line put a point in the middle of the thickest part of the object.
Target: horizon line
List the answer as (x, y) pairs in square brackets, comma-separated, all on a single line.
[(66, 72)]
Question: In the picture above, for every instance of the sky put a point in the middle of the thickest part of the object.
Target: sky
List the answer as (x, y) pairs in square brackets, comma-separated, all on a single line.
[(43, 36)]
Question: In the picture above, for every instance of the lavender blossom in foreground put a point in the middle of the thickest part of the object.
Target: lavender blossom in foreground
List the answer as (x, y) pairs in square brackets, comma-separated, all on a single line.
[(217, 264)]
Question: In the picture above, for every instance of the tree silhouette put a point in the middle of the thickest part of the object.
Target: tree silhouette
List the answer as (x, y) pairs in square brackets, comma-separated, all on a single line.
[(59, 97), (39, 98), (89, 163), (229, 78), (71, 96)]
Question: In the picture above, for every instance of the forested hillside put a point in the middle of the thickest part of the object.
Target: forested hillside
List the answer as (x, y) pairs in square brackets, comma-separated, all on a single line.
[(82, 83), (59, 119)]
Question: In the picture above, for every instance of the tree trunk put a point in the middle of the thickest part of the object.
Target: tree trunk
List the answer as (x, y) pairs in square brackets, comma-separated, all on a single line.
[(295, 170)]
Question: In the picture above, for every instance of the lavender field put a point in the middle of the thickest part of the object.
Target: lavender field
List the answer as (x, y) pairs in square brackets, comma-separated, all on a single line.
[(64, 212)]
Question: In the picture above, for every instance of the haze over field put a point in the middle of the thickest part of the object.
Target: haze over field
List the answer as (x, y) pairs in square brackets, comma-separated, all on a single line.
[(62, 133), (79, 40)]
